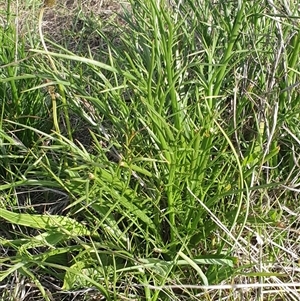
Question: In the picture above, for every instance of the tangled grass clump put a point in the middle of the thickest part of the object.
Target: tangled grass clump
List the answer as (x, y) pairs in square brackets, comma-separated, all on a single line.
[(149, 154)]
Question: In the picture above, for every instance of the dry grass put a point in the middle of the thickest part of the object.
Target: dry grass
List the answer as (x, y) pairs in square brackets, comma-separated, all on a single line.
[(67, 20)]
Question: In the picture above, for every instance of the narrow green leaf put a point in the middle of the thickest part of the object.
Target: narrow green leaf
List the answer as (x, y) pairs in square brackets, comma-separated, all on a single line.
[(193, 264), (110, 224), (4, 274), (78, 59), (45, 222), (49, 239)]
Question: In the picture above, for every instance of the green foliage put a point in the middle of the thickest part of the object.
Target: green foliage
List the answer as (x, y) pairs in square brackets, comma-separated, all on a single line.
[(191, 119)]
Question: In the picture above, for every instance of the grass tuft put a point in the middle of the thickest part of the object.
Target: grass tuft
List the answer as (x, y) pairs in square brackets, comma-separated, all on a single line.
[(149, 150)]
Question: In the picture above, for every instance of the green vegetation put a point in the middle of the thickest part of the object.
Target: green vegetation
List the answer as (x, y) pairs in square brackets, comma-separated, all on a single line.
[(149, 154)]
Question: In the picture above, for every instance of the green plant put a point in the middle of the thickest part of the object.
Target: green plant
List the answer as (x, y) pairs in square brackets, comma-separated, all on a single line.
[(185, 159)]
